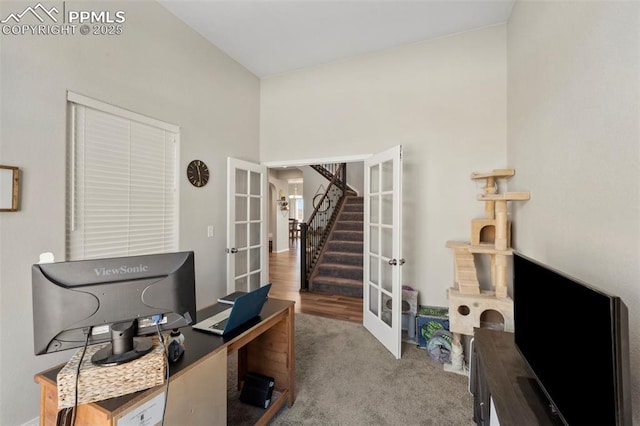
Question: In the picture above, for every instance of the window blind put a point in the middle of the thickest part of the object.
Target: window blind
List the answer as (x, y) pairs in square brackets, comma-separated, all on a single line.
[(123, 198)]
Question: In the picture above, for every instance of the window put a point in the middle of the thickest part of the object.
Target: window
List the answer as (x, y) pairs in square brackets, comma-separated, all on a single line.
[(121, 182), (297, 207), (296, 202)]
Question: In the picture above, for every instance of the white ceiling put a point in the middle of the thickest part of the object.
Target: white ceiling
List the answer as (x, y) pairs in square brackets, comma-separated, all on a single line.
[(271, 37)]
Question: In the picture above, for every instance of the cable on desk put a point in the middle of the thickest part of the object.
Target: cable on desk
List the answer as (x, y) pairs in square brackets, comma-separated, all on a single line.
[(75, 403), (166, 361), (63, 417)]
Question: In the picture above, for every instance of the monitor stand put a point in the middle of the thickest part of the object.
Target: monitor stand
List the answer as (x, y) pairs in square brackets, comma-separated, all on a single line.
[(124, 347)]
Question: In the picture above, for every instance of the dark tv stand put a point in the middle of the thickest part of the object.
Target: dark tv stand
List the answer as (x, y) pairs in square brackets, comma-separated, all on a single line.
[(501, 382)]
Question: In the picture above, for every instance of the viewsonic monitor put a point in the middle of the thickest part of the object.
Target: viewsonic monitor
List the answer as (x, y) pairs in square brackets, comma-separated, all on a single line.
[(120, 299)]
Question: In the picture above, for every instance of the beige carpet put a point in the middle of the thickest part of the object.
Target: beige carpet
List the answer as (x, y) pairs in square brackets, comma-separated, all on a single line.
[(345, 376)]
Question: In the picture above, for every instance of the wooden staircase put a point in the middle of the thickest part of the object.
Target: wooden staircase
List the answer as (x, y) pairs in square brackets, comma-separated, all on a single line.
[(339, 269)]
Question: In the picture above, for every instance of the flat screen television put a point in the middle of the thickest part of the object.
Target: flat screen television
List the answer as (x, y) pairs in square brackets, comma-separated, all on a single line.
[(119, 299), (575, 339)]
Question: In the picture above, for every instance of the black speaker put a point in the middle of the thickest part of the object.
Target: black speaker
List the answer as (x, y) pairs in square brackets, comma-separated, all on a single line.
[(257, 390)]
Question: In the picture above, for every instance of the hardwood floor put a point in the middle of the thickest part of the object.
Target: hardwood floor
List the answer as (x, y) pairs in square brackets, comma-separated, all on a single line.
[(284, 274)]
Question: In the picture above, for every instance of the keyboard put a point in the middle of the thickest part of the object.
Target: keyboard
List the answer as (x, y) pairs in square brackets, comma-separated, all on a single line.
[(214, 322)]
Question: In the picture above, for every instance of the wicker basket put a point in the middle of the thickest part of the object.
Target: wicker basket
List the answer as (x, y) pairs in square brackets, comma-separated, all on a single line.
[(97, 383)]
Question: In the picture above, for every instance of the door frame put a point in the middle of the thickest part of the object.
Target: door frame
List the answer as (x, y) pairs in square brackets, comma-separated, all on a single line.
[(398, 255)]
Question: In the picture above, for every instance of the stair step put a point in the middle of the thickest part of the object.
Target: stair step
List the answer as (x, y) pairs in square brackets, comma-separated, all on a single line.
[(332, 285), (345, 246), (342, 257), (337, 270), (347, 235), (353, 208), (351, 216), (349, 225)]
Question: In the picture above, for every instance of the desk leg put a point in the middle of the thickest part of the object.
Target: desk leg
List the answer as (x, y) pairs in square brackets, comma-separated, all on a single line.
[(291, 357), (86, 414), (48, 404), (273, 354)]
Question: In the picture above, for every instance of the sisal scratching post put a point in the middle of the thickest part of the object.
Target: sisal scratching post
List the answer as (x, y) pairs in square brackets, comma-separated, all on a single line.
[(490, 188), (501, 275), (501, 225), (457, 359)]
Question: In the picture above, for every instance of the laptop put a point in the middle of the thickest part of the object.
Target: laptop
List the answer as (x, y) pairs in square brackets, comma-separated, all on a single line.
[(245, 308)]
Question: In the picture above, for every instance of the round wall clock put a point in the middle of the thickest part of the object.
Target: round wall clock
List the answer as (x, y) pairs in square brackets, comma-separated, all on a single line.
[(198, 173)]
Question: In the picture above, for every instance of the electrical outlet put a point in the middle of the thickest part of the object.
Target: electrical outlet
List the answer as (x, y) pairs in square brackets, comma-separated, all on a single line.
[(210, 231)]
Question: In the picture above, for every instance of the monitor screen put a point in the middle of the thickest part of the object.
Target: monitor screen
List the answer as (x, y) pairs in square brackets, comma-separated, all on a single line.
[(157, 292)]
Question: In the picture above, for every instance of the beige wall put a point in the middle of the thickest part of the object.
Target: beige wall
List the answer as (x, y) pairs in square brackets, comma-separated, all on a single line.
[(157, 67), (444, 101), (574, 139)]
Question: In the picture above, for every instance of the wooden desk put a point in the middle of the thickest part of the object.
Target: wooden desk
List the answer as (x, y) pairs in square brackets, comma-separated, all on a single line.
[(198, 381), (502, 381)]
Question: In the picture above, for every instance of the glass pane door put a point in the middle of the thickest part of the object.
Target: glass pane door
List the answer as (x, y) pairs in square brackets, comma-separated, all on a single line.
[(247, 263), (382, 249)]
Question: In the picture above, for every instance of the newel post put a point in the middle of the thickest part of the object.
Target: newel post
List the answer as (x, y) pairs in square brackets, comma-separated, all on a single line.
[(304, 285)]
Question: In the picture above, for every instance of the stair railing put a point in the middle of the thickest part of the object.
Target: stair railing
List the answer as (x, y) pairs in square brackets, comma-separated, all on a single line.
[(314, 232), (329, 170)]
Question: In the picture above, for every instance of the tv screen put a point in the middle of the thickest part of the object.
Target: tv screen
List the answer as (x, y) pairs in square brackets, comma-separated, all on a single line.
[(71, 298), (575, 340)]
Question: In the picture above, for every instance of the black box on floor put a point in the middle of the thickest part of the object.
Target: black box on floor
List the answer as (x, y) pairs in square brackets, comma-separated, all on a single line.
[(257, 390)]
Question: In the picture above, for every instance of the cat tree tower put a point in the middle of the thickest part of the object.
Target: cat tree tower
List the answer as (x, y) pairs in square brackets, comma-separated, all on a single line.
[(490, 236)]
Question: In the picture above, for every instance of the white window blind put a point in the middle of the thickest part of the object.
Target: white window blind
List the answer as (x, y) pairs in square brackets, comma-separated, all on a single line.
[(122, 192)]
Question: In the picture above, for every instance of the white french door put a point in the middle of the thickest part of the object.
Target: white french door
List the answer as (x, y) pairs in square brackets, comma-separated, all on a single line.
[(382, 299), (247, 250)]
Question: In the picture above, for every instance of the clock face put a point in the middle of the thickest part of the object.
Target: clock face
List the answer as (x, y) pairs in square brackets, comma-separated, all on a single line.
[(198, 173)]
